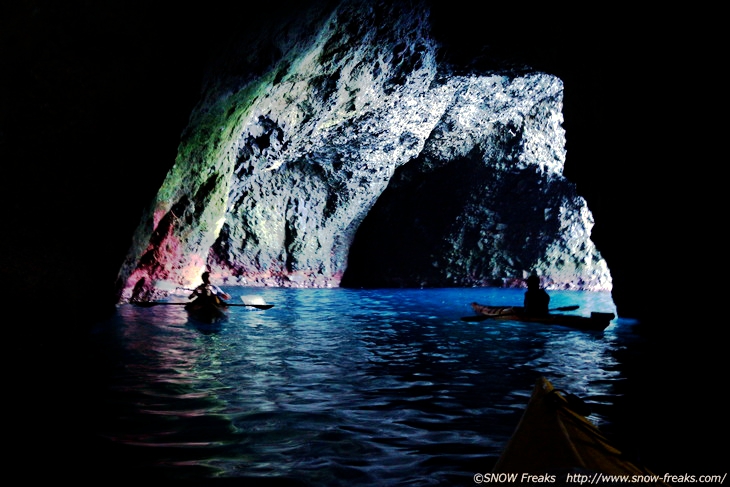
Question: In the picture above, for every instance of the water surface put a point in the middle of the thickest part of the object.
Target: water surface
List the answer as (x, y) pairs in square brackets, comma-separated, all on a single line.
[(338, 386)]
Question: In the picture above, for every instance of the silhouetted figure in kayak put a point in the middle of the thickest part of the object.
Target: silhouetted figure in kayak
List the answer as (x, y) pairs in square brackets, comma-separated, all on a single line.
[(207, 292), (537, 300)]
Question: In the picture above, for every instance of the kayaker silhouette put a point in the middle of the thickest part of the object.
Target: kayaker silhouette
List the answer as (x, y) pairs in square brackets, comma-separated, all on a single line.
[(537, 300), (208, 292)]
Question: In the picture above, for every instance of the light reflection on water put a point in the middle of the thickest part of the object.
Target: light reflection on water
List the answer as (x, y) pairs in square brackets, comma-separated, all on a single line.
[(367, 387)]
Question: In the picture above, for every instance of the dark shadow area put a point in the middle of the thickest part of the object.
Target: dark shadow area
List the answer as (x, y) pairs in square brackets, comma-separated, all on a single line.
[(669, 411), (396, 244), (441, 224)]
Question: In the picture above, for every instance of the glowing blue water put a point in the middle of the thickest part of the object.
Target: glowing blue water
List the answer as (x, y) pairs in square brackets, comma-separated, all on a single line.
[(336, 386)]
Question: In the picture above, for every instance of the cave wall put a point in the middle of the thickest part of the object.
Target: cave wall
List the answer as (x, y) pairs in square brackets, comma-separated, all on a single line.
[(334, 112), (95, 98)]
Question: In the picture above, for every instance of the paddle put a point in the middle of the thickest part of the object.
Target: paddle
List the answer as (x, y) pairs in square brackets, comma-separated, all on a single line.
[(149, 304), (482, 317)]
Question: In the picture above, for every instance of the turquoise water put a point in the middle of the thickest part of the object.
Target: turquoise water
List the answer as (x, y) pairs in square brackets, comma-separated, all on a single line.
[(337, 386)]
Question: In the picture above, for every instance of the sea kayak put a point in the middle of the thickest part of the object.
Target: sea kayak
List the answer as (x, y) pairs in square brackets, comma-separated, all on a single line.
[(596, 321), (554, 443), (207, 311)]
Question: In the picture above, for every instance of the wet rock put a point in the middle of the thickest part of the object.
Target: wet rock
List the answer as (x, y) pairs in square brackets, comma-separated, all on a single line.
[(337, 149)]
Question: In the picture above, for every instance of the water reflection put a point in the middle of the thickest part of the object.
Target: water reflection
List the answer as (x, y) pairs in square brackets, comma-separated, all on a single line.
[(376, 387), (163, 392)]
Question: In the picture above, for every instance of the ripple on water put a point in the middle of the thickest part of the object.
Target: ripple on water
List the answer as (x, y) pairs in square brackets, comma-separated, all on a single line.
[(338, 386)]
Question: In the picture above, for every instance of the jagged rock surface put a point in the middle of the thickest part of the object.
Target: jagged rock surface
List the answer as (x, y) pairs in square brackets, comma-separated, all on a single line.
[(337, 150)]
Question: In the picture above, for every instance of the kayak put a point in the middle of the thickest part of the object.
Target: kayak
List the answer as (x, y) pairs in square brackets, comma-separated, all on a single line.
[(203, 310), (555, 439), (207, 311), (596, 321)]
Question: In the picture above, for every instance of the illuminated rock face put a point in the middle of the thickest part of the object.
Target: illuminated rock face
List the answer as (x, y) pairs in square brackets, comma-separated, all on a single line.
[(338, 138)]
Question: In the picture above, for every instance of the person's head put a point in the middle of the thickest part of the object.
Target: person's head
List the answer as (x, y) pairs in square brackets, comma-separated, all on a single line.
[(533, 282), (206, 277)]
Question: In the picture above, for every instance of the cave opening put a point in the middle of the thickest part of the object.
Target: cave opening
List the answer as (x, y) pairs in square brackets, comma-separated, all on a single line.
[(469, 224), (402, 236)]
